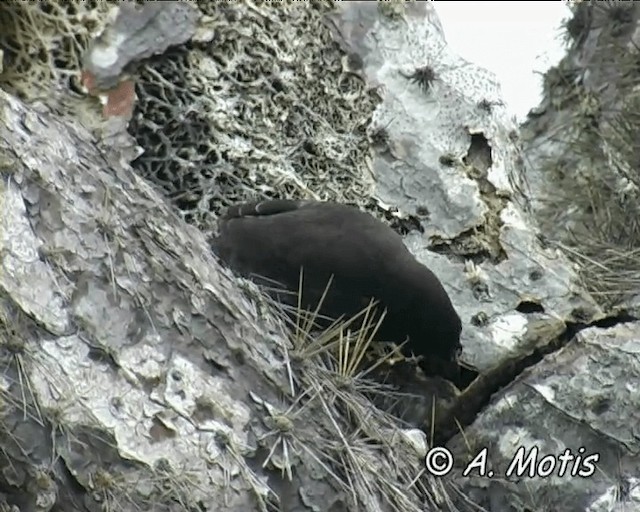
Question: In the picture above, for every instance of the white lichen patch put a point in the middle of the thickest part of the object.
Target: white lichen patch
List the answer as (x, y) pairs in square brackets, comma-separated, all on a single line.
[(23, 274), (508, 330)]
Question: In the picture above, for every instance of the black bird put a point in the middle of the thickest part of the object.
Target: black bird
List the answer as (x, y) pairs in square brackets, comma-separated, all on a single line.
[(365, 259)]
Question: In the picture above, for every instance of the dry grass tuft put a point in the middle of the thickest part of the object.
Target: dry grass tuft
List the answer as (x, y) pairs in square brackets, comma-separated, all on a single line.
[(331, 374), (604, 237), (591, 154)]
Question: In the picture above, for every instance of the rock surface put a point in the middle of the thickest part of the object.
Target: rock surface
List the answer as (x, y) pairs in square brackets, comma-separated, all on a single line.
[(147, 367)]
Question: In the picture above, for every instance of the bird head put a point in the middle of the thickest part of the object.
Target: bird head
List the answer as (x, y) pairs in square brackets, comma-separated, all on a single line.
[(434, 320)]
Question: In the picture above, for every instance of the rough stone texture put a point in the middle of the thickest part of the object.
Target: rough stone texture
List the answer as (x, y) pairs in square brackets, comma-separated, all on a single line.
[(141, 370), (138, 32), (579, 151), (586, 396), (130, 351), (464, 201)]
